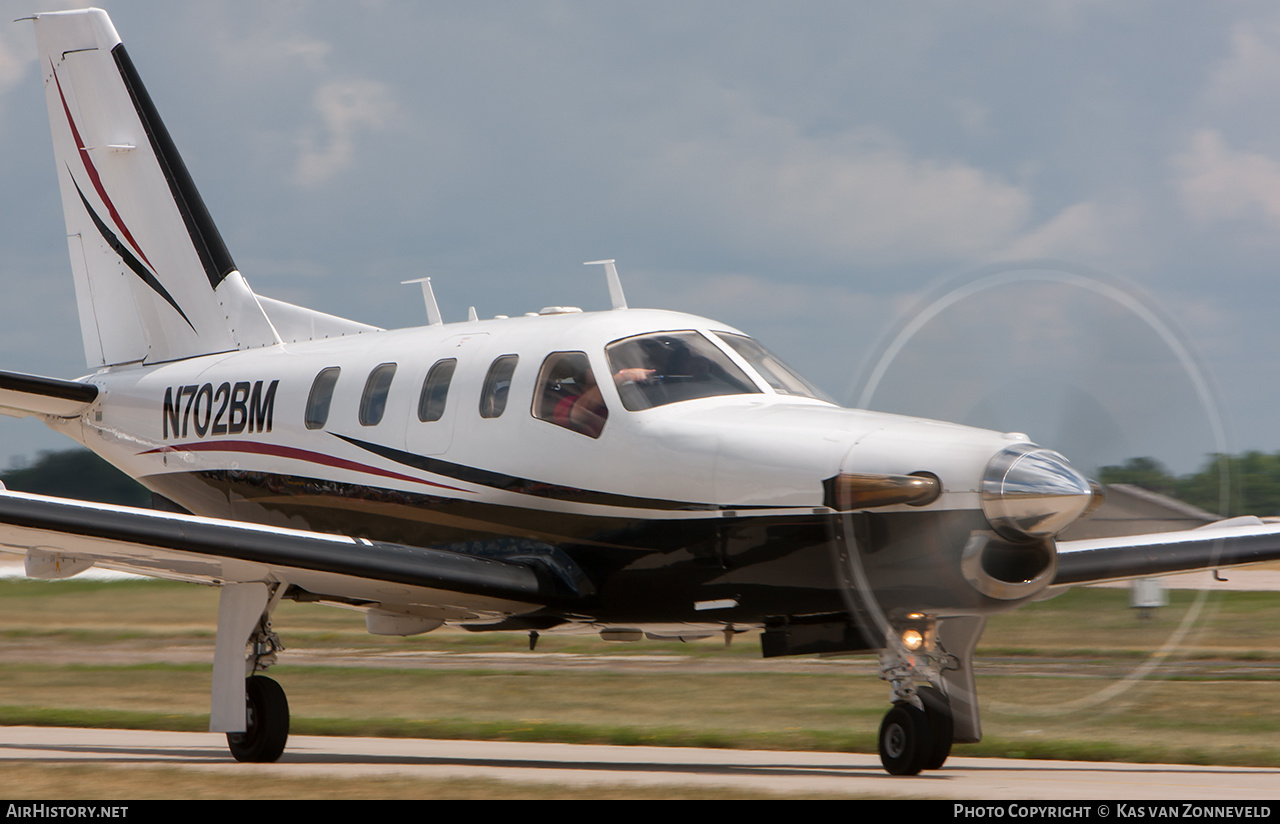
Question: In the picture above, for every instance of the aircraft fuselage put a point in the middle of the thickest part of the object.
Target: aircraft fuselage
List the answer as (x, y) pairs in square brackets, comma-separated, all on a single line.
[(705, 511)]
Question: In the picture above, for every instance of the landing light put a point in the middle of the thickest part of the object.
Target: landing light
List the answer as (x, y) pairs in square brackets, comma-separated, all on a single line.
[(912, 639)]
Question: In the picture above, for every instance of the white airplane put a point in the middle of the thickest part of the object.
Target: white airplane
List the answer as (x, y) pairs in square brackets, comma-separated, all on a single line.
[(629, 472)]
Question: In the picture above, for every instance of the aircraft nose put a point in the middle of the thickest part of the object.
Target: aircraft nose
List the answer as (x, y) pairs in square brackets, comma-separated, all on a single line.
[(1031, 493)]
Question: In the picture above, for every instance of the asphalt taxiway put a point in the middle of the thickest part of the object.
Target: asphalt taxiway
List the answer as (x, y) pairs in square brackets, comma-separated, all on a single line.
[(787, 773)]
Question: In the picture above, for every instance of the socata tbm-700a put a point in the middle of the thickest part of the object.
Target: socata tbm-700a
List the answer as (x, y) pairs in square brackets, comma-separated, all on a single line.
[(629, 471)]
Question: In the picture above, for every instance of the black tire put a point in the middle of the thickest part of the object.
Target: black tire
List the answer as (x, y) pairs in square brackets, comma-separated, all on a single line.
[(267, 720), (937, 710), (906, 741)]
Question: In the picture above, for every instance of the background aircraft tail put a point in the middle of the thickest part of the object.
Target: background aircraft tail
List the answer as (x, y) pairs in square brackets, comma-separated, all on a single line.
[(154, 280)]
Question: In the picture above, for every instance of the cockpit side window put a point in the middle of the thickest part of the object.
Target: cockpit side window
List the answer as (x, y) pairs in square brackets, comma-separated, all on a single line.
[(654, 370), (783, 379), (497, 385), (435, 390), (373, 403), (567, 394), (320, 397)]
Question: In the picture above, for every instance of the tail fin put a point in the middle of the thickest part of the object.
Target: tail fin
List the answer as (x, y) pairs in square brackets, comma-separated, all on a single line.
[(154, 280)]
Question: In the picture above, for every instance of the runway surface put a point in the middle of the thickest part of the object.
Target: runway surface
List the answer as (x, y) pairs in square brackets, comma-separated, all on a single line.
[(795, 773)]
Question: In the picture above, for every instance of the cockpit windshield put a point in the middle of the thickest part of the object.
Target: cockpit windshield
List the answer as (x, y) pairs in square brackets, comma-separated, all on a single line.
[(783, 379), (655, 370)]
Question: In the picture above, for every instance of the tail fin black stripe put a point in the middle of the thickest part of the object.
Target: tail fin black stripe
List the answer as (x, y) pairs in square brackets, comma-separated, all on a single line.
[(204, 234), (127, 256)]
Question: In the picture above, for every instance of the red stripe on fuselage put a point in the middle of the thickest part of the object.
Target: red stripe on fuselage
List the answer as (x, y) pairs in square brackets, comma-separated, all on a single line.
[(278, 451)]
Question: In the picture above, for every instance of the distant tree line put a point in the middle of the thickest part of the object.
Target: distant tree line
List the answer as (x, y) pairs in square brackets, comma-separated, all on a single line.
[(79, 474), (1230, 485)]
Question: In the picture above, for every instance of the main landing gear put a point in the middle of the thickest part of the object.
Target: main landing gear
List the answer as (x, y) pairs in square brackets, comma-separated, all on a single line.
[(266, 722), (253, 710)]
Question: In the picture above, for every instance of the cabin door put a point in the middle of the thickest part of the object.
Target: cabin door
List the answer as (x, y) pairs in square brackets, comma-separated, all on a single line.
[(442, 392)]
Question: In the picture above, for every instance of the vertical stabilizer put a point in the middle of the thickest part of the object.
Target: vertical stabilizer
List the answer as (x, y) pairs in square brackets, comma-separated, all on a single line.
[(154, 280)]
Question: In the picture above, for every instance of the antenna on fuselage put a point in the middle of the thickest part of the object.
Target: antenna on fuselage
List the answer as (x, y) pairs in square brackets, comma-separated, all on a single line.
[(618, 299), (434, 318)]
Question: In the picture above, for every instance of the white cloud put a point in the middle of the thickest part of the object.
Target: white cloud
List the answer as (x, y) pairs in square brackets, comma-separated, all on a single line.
[(346, 109), (974, 117), (264, 51), (765, 186), (1218, 184), (1082, 230), (1252, 70)]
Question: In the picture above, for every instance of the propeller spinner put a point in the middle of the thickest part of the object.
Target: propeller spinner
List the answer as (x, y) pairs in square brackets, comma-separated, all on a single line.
[(1030, 493)]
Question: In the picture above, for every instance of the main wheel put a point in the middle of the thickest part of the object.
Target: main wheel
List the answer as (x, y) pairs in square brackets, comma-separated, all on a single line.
[(267, 722), (937, 710), (906, 740)]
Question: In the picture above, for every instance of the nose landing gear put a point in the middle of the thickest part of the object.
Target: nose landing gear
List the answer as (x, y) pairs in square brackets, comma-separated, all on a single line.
[(934, 698), (914, 738)]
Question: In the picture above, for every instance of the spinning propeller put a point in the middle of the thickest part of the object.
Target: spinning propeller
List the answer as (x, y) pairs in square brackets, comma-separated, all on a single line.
[(1089, 368)]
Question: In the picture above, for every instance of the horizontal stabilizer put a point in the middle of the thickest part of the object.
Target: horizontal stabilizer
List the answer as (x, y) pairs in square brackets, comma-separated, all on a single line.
[(22, 395)]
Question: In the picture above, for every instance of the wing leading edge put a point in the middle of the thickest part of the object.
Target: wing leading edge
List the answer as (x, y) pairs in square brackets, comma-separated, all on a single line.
[(1226, 543), (72, 535)]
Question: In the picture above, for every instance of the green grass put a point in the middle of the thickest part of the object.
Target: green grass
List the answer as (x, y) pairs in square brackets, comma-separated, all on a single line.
[(1058, 679)]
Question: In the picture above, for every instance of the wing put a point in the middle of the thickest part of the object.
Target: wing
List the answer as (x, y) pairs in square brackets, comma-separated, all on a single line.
[(1226, 543), (60, 537)]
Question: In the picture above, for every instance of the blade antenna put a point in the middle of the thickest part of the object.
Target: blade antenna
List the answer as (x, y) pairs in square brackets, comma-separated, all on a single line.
[(434, 318), (616, 297)]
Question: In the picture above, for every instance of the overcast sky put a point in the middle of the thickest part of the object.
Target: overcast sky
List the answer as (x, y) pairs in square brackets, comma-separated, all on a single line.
[(818, 174)]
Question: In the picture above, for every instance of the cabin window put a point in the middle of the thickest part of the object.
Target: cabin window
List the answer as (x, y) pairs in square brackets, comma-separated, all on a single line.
[(568, 396), (373, 403), (497, 384), (320, 397), (435, 391), (783, 379), (654, 370)]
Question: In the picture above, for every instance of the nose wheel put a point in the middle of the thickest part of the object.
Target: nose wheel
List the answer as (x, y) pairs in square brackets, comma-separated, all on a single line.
[(266, 722), (914, 739)]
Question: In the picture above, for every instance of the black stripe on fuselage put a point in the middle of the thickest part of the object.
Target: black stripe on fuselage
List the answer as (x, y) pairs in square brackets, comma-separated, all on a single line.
[(641, 569), (525, 486), (129, 260), (413, 518), (205, 237)]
